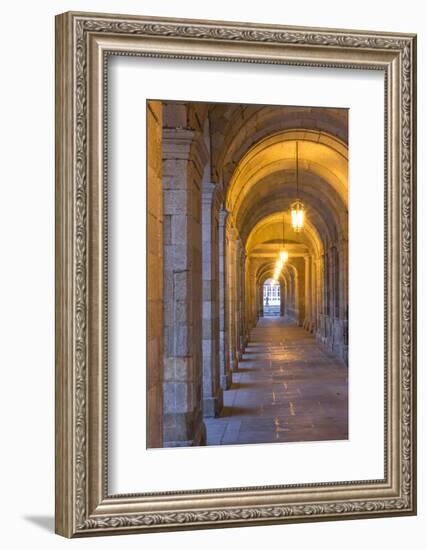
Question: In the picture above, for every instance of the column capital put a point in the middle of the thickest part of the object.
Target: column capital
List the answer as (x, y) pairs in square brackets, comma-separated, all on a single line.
[(184, 144), (208, 189), (177, 143), (223, 215)]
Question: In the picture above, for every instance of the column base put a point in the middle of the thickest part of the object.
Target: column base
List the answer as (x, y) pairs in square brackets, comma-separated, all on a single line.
[(213, 405), (183, 430), (308, 325), (226, 380), (201, 437)]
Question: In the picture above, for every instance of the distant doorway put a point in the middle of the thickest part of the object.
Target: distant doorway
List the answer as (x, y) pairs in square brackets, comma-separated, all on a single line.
[(271, 298)]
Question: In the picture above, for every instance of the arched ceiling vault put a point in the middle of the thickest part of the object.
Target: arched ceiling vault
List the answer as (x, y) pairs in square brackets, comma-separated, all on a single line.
[(325, 214), (281, 184), (270, 230), (316, 233), (326, 157), (263, 186), (237, 128)]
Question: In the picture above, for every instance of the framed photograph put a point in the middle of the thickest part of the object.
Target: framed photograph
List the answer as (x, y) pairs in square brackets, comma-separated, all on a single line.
[(235, 274)]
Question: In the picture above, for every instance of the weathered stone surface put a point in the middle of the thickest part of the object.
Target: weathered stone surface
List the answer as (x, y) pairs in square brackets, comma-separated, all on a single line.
[(176, 397), (288, 388), (182, 285), (175, 202), (213, 405), (178, 369), (179, 228), (154, 277), (182, 340), (183, 160), (176, 257), (175, 115)]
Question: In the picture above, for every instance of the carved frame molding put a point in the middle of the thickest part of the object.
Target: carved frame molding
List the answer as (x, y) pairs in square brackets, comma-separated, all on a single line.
[(83, 43)]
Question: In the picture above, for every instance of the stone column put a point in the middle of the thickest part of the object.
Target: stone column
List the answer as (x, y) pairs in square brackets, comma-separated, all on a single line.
[(212, 392), (184, 157), (327, 296), (254, 294), (307, 292), (299, 290), (260, 290), (332, 273), (235, 291), (282, 299), (313, 295), (337, 297), (243, 313), (239, 301), (329, 284), (320, 275), (247, 299), (343, 278), (294, 289), (231, 297), (224, 359), (343, 289), (289, 307)]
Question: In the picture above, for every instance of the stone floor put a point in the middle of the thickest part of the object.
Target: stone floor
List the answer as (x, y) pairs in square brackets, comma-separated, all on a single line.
[(288, 387)]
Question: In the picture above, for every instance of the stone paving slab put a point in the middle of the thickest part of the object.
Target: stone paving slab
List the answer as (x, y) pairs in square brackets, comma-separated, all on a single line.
[(288, 388)]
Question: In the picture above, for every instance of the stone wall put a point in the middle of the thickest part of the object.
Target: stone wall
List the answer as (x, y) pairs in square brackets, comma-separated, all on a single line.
[(154, 276)]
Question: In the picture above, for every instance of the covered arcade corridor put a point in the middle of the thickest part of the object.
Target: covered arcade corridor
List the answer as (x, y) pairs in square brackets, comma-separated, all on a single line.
[(247, 290)]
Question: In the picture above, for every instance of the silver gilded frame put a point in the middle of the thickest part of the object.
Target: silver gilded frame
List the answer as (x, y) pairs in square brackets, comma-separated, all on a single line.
[(83, 43)]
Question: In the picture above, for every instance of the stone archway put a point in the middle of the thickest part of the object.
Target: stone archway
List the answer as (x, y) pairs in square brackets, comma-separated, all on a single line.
[(259, 195)]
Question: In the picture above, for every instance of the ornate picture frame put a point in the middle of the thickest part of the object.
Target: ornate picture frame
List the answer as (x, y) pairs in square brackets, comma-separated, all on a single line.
[(84, 42)]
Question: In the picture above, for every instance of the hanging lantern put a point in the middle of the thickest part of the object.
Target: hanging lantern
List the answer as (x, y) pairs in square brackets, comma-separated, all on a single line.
[(297, 207), (297, 215)]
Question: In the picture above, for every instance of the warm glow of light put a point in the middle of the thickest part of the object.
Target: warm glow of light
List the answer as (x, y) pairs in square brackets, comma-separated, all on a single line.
[(279, 264), (297, 216), (283, 256)]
